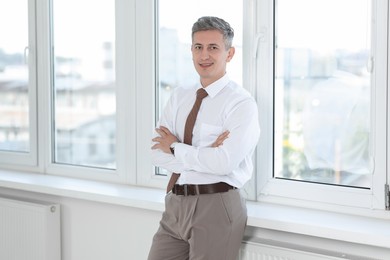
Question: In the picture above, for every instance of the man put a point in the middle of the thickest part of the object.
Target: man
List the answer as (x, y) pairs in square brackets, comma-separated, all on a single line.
[(205, 215)]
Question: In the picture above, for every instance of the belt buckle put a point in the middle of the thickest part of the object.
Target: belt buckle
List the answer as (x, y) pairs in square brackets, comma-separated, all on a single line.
[(185, 189)]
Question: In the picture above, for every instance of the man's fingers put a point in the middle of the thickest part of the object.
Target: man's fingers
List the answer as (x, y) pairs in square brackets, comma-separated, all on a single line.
[(160, 132), (223, 136), (226, 133), (163, 131), (220, 139)]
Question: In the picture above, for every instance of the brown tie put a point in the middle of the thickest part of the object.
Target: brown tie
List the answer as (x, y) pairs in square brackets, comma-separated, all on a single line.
[(200, 95)]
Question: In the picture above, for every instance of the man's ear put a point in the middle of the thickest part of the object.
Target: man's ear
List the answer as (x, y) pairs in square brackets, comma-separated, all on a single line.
[(231, 52)]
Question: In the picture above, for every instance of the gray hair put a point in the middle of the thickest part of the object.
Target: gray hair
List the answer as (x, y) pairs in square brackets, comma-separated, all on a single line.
[(206, 23)]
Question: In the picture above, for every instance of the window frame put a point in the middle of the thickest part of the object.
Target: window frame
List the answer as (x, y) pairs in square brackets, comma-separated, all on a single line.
[(15, 159), (319, 195), (136, 102), (125, 99), (147, 16)]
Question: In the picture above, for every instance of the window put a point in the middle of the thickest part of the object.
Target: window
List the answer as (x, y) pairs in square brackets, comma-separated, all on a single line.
[(322, 90), (322, 99), (89, 80), (84, 83), (88, 76), (17, 84), (14, 78)]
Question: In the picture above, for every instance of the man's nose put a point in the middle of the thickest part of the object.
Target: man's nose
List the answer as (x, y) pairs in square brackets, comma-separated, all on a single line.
[(205, 54)]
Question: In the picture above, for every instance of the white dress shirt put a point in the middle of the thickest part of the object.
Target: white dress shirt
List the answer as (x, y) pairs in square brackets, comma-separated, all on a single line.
[(228, 106)]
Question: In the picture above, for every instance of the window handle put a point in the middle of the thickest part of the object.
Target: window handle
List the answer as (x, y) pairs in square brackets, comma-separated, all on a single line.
[(260, 37), (25, 55), (370, 65)]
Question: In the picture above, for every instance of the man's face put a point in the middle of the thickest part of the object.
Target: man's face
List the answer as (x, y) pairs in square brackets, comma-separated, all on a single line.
[(210, 56)]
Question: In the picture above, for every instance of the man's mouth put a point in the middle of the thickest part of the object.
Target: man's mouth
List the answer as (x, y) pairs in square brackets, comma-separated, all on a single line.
[(205, 65)]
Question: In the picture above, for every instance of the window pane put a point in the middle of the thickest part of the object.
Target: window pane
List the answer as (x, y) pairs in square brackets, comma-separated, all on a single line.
[(322, 91), (84, 82), (14, 76)]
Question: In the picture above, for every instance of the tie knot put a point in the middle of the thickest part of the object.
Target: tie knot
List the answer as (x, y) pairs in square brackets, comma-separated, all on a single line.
[(201, 93)]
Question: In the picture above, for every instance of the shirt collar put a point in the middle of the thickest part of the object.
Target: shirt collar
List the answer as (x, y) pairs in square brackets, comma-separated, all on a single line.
[(214, 88)]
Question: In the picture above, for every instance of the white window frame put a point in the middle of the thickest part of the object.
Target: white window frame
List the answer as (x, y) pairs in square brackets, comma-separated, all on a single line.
[(146, 16), (125, 93), (135, 63), (388, 107), (309, 194), (21, 159)]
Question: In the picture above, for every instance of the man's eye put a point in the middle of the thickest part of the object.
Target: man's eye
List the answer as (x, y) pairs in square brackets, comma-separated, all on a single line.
[(198, 47)]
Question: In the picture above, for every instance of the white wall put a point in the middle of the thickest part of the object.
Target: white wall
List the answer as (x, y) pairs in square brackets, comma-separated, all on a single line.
[(123, 229), (100, 231)]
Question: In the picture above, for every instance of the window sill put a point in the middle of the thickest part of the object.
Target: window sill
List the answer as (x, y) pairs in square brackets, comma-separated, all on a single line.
[(329, 225)]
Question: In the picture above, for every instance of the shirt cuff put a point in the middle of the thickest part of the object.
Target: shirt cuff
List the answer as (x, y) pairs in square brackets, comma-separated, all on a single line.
[(181, 151)]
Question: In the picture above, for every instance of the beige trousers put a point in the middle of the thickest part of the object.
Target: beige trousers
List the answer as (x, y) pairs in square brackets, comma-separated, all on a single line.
[(201, 227)]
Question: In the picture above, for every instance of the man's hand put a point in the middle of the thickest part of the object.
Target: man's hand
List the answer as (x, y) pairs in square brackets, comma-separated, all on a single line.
[(164, 141), (222, 137)]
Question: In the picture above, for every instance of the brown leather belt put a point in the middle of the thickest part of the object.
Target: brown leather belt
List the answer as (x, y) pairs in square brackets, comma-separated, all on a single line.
[(190, 189)]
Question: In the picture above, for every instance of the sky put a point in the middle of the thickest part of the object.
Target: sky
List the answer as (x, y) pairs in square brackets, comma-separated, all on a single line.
[(327, 32)]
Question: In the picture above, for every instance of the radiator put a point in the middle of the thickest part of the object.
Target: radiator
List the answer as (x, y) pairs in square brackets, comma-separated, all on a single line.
[(29, 230), (273, 250)]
